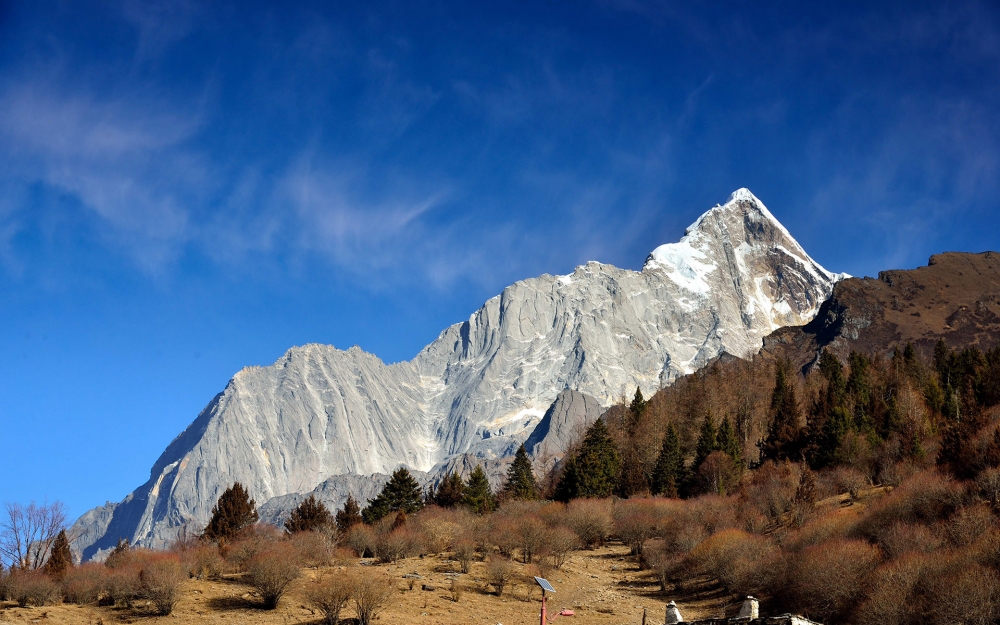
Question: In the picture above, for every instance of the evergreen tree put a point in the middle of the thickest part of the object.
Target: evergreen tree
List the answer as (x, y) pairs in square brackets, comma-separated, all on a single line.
[(708, 441), (349, 515), (520, 478), (784, 435), (60, 558), (806, 491), (595, 468), (232, 514), (402, 492), (450, 492), (309, 516), (636, 409), (669, 465), (478, 495), (728, 443), (567, 486)]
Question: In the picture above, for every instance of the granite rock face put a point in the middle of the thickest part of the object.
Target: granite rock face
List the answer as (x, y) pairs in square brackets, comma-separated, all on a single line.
[(484, 385)]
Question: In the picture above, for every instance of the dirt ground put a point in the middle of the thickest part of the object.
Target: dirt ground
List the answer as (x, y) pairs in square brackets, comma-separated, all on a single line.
[(600, 586)]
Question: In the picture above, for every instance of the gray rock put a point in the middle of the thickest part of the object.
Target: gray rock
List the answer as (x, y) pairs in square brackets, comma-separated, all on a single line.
[(484, 385)]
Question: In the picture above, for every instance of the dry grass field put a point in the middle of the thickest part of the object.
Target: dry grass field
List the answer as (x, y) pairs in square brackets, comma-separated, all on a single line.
[(600, 586)]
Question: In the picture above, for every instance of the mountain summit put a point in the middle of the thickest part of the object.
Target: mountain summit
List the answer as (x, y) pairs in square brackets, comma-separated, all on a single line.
[(485, 383)]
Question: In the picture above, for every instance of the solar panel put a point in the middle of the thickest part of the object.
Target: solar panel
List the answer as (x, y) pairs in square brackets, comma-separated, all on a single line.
[(544, 583)]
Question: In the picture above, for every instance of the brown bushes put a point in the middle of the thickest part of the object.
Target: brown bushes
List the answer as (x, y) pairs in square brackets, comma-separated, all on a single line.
[(270, 571), (499, 573), (313, 548), (159, 576), (330, 594), (371, 591), (465, 551), (31, 588), (744, 563), (590, 519), (84, 584), (635, 523), (826, 580), (926, 497)]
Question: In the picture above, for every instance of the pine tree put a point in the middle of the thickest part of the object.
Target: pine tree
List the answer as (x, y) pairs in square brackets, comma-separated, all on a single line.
[(60, 558), (636, 409), (349, 515), (232, 514), (520, 478), (784, 437), (478, 495), (669, 465), (806, 491), (402, 492), (594, 468), (450, 492), (728, 443), (309, 516), (567, 487), (708, 441)]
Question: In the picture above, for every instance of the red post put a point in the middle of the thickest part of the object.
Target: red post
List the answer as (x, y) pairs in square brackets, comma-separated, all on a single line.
[(544, 620)]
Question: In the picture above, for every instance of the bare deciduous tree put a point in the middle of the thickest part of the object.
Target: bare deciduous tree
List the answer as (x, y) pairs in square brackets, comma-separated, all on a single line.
[(27, 533)]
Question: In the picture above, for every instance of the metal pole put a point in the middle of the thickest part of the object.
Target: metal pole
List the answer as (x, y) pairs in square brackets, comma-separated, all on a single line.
[(544, 620)]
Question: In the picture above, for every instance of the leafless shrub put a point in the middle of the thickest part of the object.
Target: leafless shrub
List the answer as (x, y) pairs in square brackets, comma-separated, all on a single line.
[(465, 551), (499, 572), (202, 560), (744, 563), (313, 548), (123, 584), (361, 538), (927, 497), (31, 587), (439, 528), (84, 584), (532, 533), (456, 591), (889, 588), (827, 579), (250, 543), (954, 590), (392, 545), (590, 519), (819, 530), (270, 571), (663, 561), (771, 489), (371, 590), (634, 524), (160, 576), (330, 594), (561, 541), (505, 534), (901, 538), (969, 523), (988, 483)]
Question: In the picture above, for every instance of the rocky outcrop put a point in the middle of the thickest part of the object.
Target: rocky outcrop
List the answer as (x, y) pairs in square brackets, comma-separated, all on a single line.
[(481, 388), (955, 297)]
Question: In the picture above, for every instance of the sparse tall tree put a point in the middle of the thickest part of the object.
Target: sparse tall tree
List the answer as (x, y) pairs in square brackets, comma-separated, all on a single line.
[(402, 492), (520, 478), (451, 491), (61, 557), (28, 532), (233, 513), (349, 515), (478, 495), (593, 471), (784, 437), (728, 443), (669, 465), (309, 516)]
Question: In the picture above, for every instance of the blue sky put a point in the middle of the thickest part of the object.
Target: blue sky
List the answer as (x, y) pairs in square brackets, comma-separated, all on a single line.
[(187, 188)]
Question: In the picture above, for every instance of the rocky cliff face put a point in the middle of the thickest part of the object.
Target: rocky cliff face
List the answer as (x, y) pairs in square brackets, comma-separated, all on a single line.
[(481, 387), (955, 297)]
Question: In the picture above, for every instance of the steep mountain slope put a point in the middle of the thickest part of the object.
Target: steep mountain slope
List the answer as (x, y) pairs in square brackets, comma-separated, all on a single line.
[(955, 297), (483, 385)]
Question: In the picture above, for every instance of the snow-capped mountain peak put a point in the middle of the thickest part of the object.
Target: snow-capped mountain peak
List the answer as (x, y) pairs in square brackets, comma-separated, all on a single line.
[(484, 384)]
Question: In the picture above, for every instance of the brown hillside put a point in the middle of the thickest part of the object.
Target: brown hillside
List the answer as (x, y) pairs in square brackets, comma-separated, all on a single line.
[(956, 297)]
